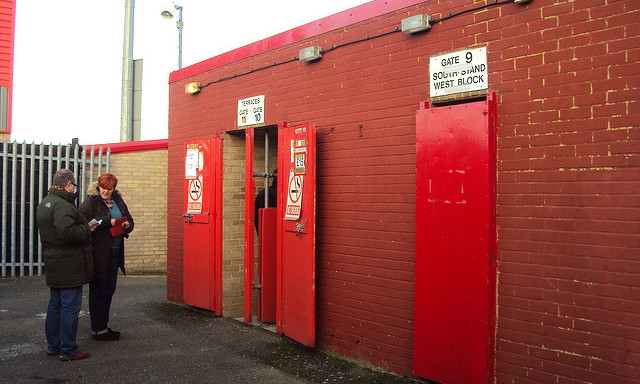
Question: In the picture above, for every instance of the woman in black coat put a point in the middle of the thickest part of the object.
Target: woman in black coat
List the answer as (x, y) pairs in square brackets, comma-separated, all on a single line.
[(105, 204)]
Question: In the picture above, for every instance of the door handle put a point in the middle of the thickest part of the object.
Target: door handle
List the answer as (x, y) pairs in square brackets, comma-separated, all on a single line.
[(188, 217), (299, 227)]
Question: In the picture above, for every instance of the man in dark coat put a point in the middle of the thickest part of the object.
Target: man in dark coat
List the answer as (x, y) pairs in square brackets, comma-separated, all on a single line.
[(66, 246)]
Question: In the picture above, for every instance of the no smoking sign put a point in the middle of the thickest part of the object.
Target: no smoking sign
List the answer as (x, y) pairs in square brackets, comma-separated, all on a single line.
[(295, 188), (294, 196), (195, 189), (194, 202)]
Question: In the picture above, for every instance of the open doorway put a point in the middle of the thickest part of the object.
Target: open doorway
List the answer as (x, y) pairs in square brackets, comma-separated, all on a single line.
[(250, 156), (265, 160), (247, 278)]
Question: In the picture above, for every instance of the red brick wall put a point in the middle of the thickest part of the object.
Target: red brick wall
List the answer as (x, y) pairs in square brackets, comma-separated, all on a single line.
[(568, 79), (568, 193), (175, 199)]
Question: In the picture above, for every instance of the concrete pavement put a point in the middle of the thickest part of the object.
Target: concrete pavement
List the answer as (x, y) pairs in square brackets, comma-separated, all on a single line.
[(161, 342)]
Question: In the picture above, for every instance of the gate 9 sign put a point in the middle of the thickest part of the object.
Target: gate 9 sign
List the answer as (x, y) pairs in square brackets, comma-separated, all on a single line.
[(457, 72)]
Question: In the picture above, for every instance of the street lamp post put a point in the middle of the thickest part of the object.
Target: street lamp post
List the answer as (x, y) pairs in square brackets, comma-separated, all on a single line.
[(179, 25)]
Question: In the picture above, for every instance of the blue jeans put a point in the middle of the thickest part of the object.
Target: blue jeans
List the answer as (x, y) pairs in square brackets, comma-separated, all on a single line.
[(61, 326), (100, 295)]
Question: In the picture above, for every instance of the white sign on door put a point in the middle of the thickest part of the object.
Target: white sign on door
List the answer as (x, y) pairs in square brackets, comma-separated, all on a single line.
[(191, 163), (457, 72), (251, 111)]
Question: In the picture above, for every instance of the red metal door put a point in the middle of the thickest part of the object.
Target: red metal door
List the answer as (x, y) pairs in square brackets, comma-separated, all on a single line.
[(267, 262), (200, 229), (296, 296), (455, 243)]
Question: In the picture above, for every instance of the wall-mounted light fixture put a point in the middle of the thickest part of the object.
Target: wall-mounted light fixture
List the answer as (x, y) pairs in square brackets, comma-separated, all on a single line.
[(522, 1), (310, 53), (415, 24), (192, 88)]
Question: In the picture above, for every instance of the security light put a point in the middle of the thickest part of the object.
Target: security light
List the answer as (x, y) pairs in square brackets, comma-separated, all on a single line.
[(192, 88), (310, 53), (415, 24)]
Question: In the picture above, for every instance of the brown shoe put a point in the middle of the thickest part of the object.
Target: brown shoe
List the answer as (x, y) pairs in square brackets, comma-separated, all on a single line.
[(77, 356), (53, 353)]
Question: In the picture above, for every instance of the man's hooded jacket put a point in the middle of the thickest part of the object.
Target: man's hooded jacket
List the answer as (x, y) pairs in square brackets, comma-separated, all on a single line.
[(66, 241)]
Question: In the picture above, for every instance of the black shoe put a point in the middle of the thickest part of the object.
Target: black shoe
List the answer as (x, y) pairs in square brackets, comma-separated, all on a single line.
[(110, 335)]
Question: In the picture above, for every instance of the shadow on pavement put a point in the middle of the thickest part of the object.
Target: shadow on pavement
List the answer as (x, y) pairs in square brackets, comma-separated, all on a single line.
[(161, 342)]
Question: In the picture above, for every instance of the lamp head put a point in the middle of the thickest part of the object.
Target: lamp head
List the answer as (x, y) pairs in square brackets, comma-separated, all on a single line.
[(166, 14), (192, 88), (415, 24)]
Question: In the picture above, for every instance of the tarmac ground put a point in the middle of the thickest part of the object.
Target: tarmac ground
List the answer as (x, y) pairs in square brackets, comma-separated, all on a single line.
[(161, 342)]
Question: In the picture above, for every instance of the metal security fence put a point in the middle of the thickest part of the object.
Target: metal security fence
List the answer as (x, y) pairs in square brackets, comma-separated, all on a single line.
[(25, 176)]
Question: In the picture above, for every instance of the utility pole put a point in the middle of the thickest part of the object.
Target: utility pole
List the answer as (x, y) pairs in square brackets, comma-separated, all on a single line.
[(126, 113)]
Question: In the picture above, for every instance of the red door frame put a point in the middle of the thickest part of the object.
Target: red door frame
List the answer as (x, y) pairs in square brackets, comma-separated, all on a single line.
[(249, 198), (217, 223)]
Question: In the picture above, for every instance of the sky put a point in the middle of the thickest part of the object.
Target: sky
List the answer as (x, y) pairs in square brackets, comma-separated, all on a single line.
[(68, 58)]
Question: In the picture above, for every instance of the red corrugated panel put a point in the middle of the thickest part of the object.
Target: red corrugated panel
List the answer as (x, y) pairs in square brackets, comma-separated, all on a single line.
[(7, 30), (131, 146)]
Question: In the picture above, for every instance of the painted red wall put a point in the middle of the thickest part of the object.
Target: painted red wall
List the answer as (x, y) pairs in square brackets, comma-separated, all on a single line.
[(7, 32), (567, 75)]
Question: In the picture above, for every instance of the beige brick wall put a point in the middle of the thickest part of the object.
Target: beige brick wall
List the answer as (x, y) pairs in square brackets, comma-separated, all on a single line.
[(233, 226), (142, 180)]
